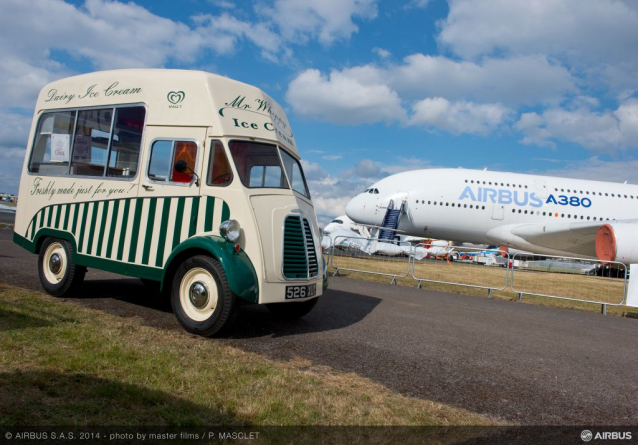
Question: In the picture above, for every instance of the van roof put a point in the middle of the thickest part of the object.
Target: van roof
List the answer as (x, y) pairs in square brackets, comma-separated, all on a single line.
[(177, 98)]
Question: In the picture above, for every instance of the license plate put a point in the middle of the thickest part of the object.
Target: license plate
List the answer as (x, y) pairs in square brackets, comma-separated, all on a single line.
[(295, 292)]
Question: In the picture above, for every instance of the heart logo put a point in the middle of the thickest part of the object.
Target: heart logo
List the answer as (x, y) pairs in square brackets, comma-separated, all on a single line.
[(176, 97)]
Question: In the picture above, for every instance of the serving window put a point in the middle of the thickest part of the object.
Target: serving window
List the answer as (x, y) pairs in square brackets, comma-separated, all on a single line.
[(86, 142)]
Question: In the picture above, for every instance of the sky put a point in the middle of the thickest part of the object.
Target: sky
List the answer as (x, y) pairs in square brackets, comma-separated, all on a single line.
[(370, 87)]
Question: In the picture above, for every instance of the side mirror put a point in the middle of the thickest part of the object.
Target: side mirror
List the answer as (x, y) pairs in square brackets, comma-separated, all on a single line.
[(181, 166)]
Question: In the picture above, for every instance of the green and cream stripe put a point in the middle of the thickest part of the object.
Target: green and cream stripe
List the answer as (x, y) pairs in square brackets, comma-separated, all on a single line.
[(142, 231)]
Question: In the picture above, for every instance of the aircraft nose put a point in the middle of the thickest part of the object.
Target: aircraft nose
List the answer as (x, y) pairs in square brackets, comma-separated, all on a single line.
[(355, 209)]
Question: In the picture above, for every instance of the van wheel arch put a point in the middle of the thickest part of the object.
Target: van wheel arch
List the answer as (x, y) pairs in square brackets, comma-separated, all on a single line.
[(171, 268), (42, 237)]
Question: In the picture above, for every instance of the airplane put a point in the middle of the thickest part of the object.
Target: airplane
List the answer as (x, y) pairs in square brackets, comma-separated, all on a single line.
[(344, 233), (538, 214)]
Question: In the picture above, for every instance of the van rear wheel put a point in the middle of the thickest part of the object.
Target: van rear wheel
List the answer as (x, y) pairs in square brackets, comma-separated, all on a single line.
[(58, 275), (201, 297)]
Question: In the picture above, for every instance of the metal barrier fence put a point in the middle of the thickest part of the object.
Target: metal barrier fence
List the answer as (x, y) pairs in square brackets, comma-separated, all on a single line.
[(565, 278), (568, 278), (363, 255), (7, 219), (468, 269)]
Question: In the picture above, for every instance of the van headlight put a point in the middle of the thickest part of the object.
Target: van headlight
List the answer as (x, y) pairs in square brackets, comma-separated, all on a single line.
[(230, 230)]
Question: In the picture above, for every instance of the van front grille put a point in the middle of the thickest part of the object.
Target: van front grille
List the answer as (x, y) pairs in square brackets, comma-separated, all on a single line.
[(313, 264), (299, 256)]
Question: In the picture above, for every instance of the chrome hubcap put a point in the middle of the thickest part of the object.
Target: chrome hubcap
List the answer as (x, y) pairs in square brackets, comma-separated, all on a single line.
[(198, 295), (55, 263)]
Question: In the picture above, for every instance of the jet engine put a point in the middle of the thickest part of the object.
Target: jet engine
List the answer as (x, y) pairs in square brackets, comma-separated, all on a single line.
[(617, 242)]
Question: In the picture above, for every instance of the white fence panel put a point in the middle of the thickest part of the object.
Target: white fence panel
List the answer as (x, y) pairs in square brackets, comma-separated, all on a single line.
[(464, 266), (7, 219), (568, 278), (369, 256)]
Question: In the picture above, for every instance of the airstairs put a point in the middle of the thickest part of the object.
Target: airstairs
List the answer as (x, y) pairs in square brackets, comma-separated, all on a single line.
[(391, 221)]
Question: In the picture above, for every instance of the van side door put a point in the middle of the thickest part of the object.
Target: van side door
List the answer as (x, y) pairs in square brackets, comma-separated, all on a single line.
[(166, 210)]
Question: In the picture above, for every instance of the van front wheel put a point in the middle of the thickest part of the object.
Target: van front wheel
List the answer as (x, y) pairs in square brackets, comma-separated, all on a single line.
[(201, 297), (58, 275)]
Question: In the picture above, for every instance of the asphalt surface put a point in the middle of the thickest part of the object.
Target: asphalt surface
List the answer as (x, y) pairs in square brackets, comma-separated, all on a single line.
[(514, 362)]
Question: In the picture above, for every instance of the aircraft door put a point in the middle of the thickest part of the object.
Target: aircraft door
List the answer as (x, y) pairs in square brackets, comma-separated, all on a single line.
[(541, 188), (498, 211)]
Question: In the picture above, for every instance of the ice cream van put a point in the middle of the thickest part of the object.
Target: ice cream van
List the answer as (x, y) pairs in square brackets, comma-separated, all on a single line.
[(183, 178)]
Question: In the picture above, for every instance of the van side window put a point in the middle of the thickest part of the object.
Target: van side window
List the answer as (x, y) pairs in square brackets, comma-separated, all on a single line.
[(164, 155), (87, 138), (219, 172), (127, 141), (184, 151), (91, 142), (52, 143)]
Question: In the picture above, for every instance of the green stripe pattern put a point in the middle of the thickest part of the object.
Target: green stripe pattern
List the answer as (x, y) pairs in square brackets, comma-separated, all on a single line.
[(142, 231)]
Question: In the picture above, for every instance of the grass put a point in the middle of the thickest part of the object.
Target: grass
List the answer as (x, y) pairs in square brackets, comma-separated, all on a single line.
[(590, 288), (62, 364)]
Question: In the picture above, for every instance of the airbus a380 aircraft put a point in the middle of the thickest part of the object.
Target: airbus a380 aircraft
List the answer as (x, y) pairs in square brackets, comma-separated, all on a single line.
[(540, 214)]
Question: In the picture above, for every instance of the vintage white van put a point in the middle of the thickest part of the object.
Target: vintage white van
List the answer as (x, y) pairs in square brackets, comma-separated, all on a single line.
[(184, 178)]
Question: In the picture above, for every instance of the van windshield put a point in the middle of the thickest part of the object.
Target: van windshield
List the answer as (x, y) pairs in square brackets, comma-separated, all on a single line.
[(259, 166)]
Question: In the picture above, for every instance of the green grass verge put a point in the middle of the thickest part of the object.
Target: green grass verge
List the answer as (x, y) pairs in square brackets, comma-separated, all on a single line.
[(62, 364)]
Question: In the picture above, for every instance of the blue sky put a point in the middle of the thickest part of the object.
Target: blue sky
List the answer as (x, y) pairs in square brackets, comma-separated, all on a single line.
[(371, 87)]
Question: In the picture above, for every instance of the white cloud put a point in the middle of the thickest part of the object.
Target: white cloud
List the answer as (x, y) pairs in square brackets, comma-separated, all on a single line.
[(330, 193), (367, 168), (599, 170), (108, 34), (14, 129), (12, 159), (517, 80), (113, 34), (383, 53), (459, 117), (222, 4), (588, 29), (417, 4), (332, 157), (480, 94), (343, 98), (604, 131), (324, 20), (598, 34), (313, 171)]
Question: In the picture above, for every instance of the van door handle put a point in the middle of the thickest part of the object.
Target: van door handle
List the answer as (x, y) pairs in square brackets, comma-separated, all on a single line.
[(148, 188)]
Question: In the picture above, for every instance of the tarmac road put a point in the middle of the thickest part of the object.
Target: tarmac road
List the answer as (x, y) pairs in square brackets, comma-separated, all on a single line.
[(515, 362)]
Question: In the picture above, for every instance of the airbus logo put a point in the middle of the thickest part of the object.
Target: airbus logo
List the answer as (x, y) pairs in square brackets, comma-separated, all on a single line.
[(587, 435), (520, 198), (501, 196)]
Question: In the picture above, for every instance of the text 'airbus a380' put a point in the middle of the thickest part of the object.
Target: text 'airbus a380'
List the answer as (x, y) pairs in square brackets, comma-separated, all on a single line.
[(540, 214)]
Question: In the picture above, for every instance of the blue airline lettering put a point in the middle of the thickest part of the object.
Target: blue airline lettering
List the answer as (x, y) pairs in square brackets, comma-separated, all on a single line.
[(520, 198), (573, 201), (504, 196), (467, 193), (489, 193)]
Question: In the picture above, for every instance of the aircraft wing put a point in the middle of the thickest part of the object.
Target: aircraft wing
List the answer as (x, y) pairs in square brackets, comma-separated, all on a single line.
[(578, 238)]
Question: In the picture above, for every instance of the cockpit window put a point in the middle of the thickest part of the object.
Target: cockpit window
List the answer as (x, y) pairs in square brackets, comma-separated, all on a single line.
[(376, 191), (338, 221)]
